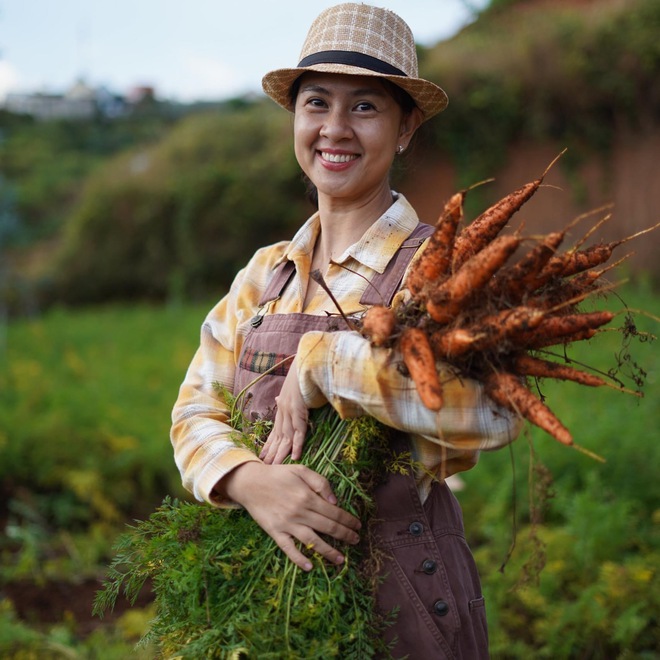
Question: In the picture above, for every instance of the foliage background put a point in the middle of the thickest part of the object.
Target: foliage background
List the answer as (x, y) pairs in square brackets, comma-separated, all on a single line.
[(111, 254)]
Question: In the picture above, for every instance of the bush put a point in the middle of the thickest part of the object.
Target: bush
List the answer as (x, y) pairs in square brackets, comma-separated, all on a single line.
[(184, 215)]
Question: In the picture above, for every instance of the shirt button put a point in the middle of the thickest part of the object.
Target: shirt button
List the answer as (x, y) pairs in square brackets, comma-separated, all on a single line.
[(440, 607), (429, 566), (416, 528)]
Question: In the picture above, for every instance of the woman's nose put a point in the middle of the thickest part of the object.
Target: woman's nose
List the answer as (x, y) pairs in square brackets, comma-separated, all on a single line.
[(336, 126)]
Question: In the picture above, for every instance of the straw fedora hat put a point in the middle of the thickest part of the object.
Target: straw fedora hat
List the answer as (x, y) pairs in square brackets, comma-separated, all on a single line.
[(361, 40)]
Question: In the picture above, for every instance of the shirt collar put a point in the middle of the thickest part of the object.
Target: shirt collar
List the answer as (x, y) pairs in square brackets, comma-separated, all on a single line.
[(376, 247)]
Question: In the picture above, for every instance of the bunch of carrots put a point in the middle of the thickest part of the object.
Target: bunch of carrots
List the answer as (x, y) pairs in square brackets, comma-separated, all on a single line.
[(491, 320)]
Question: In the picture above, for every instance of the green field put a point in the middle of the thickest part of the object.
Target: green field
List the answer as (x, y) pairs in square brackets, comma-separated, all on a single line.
[(85, 398)]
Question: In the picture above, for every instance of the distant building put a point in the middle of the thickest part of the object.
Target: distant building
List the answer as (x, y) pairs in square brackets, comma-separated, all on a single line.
[(80, 102)]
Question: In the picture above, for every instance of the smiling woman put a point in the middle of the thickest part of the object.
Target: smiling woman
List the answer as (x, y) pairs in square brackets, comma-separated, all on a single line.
[(357, 101)]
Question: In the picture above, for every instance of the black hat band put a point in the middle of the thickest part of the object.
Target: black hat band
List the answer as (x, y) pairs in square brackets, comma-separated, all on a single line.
[(351, 58)]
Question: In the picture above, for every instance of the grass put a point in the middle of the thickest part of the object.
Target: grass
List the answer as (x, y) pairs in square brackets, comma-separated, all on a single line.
[(85, 399)]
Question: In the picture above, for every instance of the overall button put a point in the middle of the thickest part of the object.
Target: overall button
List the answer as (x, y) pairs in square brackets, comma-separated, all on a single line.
[(429, 566), (416, 528), (440, 607)]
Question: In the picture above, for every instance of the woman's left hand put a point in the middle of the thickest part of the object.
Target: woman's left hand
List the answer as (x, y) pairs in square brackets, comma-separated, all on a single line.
[(290, 426)]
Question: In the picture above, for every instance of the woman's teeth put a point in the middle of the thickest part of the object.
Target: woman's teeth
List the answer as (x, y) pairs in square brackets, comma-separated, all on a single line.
[(337, 158)]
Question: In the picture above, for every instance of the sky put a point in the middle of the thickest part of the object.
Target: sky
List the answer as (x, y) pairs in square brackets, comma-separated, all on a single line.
[(187, 50)]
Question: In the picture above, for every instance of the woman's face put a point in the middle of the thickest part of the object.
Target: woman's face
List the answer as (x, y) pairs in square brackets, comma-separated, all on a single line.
[(346, 132)]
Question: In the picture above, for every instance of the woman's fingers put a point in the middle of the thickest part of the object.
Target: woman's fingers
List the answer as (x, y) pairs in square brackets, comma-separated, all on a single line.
[(293, 504), (290, 426), (315, 544), (286, 438), (299, 433), (288, 546), (276, 442), (293, 430)]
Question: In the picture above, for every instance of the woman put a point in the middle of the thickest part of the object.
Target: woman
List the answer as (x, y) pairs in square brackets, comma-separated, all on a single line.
[(357, 101)]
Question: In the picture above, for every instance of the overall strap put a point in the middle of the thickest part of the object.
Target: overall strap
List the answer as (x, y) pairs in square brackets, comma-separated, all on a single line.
[(384, 285), (281, 276)]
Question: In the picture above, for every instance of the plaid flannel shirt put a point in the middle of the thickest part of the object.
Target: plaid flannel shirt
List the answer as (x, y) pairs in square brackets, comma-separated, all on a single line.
[(340, 367)]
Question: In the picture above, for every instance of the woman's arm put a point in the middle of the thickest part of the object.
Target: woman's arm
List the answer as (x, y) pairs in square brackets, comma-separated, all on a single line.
[(345, 370), (290, 502)]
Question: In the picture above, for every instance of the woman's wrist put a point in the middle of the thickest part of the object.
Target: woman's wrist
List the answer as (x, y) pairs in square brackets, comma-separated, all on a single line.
[(235, 484)]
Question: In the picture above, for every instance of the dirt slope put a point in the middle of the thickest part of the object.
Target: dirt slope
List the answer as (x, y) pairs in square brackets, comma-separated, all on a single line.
[(629, 178)]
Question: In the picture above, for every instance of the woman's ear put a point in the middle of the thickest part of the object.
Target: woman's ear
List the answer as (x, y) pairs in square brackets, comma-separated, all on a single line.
[(409, 124)]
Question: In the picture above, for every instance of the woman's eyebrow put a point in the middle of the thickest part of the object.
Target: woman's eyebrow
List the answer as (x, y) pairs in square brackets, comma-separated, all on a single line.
[(315, 89)]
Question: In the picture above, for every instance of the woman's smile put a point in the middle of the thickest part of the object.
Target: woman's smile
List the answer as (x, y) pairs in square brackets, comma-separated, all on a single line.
[(332, 157), (337, 161)]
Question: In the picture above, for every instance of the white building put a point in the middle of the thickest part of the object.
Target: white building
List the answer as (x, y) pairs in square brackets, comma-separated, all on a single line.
[(80, 102)]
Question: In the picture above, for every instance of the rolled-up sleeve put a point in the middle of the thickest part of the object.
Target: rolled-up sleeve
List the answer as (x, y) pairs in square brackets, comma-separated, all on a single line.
[(345, 370), (204, 442)]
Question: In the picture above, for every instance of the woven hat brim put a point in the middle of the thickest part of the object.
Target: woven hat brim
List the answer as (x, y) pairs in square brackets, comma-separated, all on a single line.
[(429, 97)]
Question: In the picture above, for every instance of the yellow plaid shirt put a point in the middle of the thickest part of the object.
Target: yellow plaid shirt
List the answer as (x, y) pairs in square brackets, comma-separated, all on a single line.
[(339, 367)]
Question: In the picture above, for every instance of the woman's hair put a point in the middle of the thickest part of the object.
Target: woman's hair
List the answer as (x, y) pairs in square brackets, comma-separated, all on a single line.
[(402, 98)]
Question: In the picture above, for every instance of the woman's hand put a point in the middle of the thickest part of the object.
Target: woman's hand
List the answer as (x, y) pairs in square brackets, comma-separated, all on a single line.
[(290, 426), (292, 503)]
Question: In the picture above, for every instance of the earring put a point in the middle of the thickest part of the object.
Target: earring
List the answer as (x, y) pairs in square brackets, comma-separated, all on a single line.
[(400, 149)]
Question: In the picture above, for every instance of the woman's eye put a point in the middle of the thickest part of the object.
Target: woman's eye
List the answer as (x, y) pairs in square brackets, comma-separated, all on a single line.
[(364, 106), (316, 102)]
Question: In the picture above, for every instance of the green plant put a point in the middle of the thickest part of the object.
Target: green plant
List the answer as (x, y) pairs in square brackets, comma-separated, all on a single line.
[(223, 589)]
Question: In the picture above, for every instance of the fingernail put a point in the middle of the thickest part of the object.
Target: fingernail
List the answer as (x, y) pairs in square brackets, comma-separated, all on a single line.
[(339, 559), (307, 567), (332, 499)]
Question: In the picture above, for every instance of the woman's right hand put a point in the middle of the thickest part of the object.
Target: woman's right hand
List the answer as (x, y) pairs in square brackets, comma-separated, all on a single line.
[(292, 503)]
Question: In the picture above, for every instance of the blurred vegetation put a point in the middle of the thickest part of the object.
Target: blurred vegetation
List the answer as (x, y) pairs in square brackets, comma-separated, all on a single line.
[(43, 163), (165, 205), (584, 575), (571, 72), (85, 399), (165, 220)]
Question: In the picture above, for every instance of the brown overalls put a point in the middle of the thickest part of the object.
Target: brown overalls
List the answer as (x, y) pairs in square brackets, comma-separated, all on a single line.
[(430, 573)]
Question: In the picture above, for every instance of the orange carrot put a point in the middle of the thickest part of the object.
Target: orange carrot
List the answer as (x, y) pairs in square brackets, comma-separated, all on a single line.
[(526, 365), (576, 261), (508, 391), (485, 333), (418, 358), (446, 301), (488, 225), (484, 228), (521, 327), (434, 263), (557, 329), (521, 278), (378, 324), (453, 343), (536, 341), (563, 291), (581, 260)]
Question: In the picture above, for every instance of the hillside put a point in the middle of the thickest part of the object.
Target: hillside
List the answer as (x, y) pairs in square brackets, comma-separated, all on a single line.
[(534, 77)]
